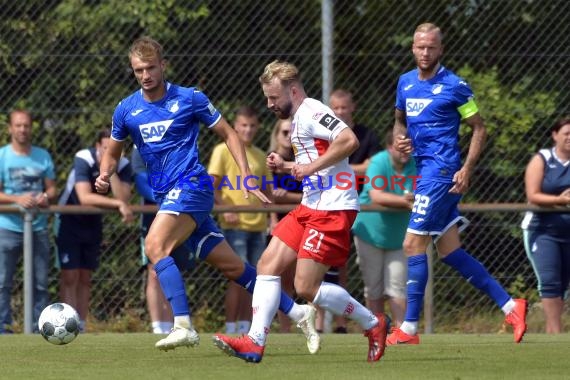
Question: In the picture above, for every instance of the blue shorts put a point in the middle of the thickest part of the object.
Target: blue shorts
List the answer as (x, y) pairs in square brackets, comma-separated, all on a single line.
[(75, 254), (198, 204), (183, 258), (179, 201), (435, 209)]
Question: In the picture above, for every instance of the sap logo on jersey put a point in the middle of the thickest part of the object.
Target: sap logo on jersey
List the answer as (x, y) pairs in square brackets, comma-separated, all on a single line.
[(153, 132), (415, 106)]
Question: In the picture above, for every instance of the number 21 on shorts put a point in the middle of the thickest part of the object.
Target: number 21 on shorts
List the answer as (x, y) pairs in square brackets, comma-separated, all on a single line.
[(310, 241)]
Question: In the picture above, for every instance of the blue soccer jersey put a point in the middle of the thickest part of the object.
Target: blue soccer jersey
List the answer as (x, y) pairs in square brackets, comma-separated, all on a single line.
[(434, 109), (166, 133)]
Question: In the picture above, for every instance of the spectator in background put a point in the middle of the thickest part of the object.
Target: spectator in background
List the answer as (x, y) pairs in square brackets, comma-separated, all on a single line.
[(378, 236), (79, 236), (547, 235), (343, 105), (287, 191), (27, 179), (245, 232), (162, 320)]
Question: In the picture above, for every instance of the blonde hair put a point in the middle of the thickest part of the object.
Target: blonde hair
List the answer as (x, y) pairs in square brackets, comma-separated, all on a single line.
[(286, 72), (146, 49), (428, 27)]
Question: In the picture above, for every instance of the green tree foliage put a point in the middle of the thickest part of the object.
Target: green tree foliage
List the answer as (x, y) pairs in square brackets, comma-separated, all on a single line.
[(511, 112)]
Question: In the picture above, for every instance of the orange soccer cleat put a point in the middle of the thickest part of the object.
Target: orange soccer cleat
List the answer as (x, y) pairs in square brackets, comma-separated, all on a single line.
[(517, 319), (397, 336), (241, 347)]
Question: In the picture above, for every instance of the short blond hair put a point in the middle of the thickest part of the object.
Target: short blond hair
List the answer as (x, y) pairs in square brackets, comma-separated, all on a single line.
[(146, 49), (428, 27), (286, 72)]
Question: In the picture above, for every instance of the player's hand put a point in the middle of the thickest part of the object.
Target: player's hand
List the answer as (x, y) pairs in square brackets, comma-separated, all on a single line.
[(126, 213), (274, 161), (103, 183), (300, 171), (403, 144), (460, 181), (251, 186), (231, 217)]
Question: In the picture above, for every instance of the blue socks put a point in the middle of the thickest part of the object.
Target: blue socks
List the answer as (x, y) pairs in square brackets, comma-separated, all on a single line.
[(247, 281), (416, 286), (476, 274), (172, 285)]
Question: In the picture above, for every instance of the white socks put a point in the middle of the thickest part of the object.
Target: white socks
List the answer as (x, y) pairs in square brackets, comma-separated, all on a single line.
[(183, 321), (410, 328), (339, 302), (297, 312), (509, 306), (265, 302), (161, 327)]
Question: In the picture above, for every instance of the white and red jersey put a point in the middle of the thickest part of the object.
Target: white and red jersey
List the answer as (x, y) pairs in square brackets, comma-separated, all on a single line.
[(314, 128)]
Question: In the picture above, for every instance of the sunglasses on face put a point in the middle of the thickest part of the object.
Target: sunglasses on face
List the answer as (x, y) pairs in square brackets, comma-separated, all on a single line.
[(285, 132)]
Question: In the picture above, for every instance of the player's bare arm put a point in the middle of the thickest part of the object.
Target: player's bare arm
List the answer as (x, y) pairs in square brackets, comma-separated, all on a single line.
[(342, 146), (226, 133), (108, 165), (274, 161), (461, 178), (402, 142)]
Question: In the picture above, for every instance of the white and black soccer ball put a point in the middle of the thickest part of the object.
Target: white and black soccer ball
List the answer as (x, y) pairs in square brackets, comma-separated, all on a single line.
[(59, 323)]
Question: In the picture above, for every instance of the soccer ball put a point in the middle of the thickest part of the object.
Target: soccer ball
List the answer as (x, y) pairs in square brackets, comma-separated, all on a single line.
[(59, 323)]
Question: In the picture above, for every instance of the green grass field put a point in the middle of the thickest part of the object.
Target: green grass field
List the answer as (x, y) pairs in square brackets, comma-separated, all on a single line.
[(440, 356)]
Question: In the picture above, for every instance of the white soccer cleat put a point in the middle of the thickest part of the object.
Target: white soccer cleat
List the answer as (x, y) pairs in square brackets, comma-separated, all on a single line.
[(179, 337), (307, 324)]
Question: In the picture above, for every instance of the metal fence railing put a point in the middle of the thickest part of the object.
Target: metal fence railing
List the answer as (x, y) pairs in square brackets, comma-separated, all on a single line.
[(451, 304)]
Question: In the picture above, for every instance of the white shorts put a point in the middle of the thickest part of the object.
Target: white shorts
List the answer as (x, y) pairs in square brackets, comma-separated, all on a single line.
[(384, 272)]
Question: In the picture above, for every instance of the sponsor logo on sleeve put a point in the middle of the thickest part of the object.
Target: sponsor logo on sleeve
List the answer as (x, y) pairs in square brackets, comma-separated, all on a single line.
[(211, 108), (329, 121)]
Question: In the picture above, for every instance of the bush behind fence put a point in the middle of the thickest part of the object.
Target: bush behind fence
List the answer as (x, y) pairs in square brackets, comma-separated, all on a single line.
[(66, 61)]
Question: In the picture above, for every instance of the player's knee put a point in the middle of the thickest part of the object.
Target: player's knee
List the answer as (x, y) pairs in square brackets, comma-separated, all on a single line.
[(306, 290), (409, 247), (154, 250), (233, 270), (265, 265)]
